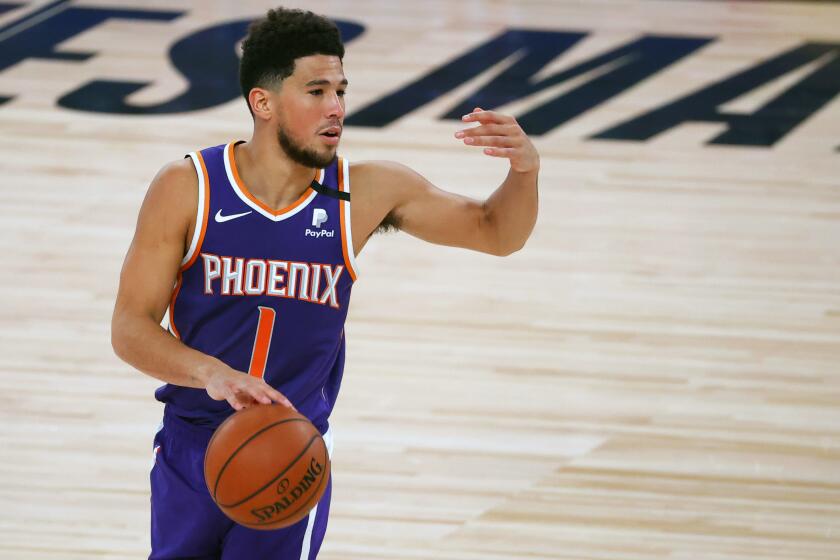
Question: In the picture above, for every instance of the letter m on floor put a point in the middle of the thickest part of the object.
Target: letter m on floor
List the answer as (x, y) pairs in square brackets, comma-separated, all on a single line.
[(513, 59)]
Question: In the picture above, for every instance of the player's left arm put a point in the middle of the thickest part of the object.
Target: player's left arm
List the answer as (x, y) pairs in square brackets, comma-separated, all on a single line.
[(499, 225)]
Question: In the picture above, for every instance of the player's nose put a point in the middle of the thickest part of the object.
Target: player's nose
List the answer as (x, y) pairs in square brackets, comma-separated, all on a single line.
[(335, 108)]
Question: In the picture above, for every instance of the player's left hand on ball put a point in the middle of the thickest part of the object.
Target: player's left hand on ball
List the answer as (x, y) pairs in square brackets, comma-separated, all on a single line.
[(502, 137)]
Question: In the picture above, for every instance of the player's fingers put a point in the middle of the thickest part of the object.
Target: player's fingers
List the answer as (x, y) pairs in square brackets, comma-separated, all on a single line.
[(488, 117), (496, 141), (236, 402), (259, 392), (245, 395), (278, 397), (266, 394), (500, 152), (486, 130)]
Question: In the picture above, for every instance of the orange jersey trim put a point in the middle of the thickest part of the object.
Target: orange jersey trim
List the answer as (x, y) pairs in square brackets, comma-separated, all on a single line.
[(172, 305), (344, 248), (206, 214), (257, 201)]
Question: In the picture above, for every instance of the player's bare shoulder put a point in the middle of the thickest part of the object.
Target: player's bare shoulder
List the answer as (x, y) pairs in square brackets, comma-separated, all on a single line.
[(176, 183), (171, 201)]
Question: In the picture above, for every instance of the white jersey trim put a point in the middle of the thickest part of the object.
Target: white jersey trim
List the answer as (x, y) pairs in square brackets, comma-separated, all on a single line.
[(348, 226), (310, 524), (199, 216), (256, 207)]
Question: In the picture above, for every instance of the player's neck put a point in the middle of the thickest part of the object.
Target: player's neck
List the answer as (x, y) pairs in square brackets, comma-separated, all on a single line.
[(277, 181)]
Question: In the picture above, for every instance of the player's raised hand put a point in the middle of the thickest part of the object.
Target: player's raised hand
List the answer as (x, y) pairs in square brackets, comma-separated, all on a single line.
[(502, 137), (241, 390)]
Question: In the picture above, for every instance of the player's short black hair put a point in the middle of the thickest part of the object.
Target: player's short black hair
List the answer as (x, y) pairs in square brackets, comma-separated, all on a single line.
[(275, 41)]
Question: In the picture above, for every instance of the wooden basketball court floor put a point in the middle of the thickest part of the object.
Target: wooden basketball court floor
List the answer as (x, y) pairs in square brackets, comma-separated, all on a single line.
[(655, 376)]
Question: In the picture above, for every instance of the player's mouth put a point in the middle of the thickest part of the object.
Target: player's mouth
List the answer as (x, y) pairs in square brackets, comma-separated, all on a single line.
[(331, 135)]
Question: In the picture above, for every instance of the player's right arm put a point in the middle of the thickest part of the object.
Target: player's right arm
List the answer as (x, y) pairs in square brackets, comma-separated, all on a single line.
[(151, 265)]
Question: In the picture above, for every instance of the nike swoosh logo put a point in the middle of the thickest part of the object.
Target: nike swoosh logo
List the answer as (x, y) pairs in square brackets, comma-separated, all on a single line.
[(222, 219)]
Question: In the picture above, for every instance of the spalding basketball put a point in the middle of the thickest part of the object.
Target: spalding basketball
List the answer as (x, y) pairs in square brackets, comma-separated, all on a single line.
[(266, 467)]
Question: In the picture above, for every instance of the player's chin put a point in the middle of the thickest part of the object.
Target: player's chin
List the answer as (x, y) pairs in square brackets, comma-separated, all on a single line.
[(328, 153)]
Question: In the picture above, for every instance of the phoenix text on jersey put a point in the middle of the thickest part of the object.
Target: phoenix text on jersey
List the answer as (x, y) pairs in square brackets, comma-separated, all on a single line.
[(237, 276)]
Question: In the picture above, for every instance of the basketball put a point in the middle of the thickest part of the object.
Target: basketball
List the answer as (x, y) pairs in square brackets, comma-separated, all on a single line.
[(266, 467)]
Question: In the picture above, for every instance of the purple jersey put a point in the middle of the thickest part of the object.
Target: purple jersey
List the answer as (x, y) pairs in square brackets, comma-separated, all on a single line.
[(266, 291)]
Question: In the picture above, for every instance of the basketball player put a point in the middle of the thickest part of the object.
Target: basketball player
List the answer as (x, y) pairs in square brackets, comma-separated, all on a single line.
[(259, 240)]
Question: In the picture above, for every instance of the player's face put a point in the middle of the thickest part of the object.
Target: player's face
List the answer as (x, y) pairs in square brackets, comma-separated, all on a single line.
[(311, 110)]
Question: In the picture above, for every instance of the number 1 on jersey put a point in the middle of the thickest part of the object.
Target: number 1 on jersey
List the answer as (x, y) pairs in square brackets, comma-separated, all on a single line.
[(259, 355)]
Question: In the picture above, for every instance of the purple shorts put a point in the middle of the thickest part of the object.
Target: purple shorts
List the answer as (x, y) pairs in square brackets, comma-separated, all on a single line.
[(186, 523)]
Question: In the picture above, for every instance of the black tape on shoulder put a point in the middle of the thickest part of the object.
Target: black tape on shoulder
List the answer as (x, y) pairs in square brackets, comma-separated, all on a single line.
[(319, 188)]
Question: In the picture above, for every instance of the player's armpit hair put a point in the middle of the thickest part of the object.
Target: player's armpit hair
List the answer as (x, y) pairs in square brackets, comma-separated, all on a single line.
[(390, 223)]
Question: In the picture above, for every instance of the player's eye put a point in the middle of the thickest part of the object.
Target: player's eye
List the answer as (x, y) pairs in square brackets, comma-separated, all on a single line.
[(316, 92), (341, 92)]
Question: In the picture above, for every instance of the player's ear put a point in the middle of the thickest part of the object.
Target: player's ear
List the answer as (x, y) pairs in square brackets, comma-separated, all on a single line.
[(260, 103)]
